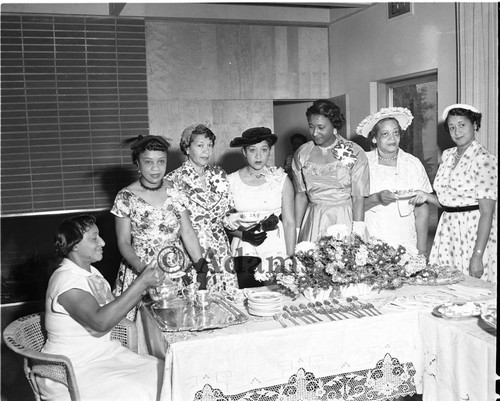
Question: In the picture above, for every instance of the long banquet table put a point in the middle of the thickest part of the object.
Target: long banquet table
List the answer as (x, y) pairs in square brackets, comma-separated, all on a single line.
[(404, 351)]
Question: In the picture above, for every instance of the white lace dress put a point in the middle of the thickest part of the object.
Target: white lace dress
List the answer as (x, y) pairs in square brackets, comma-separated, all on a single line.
[(395, 223)]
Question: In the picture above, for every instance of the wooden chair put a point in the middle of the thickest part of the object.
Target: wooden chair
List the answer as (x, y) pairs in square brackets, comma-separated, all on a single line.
[(26, 337)]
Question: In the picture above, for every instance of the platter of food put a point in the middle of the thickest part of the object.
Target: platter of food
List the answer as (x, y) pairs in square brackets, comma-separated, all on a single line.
[(435, 275), (457, 310), (489, 316)]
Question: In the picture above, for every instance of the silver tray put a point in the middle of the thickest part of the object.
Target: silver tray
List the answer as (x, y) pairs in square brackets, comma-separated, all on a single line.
[(179, 315)]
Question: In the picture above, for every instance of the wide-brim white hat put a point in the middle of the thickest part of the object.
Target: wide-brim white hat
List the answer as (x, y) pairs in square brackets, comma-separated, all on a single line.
[(402, 114), (459, 106)]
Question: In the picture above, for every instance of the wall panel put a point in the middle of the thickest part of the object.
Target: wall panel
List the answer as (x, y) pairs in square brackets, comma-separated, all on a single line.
[(226, 61)]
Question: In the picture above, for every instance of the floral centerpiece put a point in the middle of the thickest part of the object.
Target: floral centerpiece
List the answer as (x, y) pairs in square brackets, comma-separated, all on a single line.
[(341, 258)]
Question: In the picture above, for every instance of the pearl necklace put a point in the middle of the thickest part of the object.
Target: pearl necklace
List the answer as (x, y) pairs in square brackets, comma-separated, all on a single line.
[(149, 188), (325, 149), (387, 158), (458, 156)]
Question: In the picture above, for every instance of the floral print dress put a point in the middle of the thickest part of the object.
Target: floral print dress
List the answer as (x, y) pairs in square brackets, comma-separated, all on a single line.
[(151, 229), (474, 177), (207, 208)]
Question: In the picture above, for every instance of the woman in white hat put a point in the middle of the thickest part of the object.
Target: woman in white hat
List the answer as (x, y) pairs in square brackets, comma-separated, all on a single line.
[(466, 187), (394, 177)]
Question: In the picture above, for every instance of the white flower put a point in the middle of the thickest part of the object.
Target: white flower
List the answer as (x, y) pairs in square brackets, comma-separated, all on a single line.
[(221, 186), (338, 231), (362, 256), (299, 267), (262, 276), (305, 246), (287, 280)]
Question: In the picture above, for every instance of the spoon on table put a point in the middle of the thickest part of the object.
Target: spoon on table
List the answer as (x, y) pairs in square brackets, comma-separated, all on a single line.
[(277, 317), (330, 308), (309, 312), (348, 308), (301, 315), (286, 315), (335, 308), (369, 306), (355, 308), (319, 307), (361, 306)]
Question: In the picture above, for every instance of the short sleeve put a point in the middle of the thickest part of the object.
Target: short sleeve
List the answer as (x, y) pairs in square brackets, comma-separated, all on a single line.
[(486, 177), (63, 282), (298, 179), (422, 179), (121, 207), (360, 174)]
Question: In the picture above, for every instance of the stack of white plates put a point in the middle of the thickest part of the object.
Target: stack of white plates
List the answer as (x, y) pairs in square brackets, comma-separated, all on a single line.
[(264, 303)]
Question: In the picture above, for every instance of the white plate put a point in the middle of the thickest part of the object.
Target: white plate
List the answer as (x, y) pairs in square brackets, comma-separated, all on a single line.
[(265, 307), (264, 297), (263, 313), (490, 320), (247, 219), (444, 312)]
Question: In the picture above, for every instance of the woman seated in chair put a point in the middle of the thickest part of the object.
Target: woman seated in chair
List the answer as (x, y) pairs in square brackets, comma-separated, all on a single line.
[(80, 312)]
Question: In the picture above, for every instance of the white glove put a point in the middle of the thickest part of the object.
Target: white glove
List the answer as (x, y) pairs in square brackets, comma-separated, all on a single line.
[(359, 227)]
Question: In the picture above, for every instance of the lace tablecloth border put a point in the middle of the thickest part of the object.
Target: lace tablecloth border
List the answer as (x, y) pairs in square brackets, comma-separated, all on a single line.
[(389, 379)]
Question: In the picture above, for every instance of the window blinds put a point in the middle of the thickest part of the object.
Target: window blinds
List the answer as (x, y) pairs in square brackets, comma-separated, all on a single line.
[(72, 89)]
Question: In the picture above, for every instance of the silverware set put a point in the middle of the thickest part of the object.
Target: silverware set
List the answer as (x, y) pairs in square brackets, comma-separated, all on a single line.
[(332, 309)]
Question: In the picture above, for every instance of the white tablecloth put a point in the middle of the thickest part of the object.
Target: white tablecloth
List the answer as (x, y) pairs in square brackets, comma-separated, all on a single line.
[(459, 359), (334, 359)]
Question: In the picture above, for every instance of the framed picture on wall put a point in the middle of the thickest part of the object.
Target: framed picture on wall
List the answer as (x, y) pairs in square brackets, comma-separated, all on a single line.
[(396, 9)]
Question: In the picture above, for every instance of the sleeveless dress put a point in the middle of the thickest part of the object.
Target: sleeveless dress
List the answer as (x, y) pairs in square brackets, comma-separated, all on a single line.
[(474, 177), (207, 209), (265, 198), (151, 229), (329, 187), (104, 369), (395, 223)]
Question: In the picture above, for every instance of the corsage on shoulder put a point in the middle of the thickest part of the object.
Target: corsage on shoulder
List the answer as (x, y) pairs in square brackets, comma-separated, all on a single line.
[(344, 153)]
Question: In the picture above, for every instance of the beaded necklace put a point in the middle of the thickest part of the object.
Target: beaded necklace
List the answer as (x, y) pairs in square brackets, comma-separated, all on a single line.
[(149, 188), (387, 158)]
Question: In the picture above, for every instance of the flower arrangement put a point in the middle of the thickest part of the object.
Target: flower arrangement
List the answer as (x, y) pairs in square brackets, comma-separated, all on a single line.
[(341, 258)]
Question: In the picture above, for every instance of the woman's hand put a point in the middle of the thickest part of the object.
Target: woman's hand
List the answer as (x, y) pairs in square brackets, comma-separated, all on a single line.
[(420, 198), (152, 275), (253, 238), (386, 197), (476, 267)]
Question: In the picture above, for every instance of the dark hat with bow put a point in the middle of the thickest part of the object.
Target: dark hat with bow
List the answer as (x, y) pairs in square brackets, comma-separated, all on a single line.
[(253, 136)]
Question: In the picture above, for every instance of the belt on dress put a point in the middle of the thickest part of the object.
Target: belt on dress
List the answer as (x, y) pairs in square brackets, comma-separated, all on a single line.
[(459, 209)]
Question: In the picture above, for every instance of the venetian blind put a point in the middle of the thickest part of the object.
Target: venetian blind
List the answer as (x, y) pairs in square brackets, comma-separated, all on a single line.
[(72, 89)]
